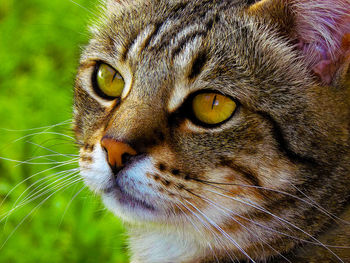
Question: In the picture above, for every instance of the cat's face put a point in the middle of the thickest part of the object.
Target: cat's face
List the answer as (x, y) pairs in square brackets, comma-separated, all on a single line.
[(154, 158)]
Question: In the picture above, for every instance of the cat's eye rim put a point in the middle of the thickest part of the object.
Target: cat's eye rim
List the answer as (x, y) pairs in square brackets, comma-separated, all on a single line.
[(95, 85), (192, 116)]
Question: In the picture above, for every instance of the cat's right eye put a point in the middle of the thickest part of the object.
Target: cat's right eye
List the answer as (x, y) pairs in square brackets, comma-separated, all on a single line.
[(108, 83)]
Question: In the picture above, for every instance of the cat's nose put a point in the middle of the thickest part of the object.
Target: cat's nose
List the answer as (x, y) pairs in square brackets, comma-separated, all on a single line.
[(118, 152)]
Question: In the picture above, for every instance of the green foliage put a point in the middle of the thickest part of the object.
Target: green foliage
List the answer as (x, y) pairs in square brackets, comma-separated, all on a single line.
[(40, 42)]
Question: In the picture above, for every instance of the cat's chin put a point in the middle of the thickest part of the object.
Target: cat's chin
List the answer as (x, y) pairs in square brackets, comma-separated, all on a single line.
[(128, 207)]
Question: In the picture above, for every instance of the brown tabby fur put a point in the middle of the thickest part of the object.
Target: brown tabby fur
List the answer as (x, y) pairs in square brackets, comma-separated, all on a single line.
[(272, 184)]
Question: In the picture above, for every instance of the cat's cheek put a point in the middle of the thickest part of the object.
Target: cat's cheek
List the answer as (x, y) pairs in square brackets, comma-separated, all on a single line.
[(95, 171)]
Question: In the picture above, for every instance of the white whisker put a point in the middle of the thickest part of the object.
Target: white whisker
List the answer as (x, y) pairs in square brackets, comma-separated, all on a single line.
[(33, 210), (36, 196), (228, 212), (42, 163), (69, 121), (47, 156), (311, 203), (30, 177), (278, 232), (32, 196), (197, 229), (50, 150), (70, 202), (83, 7), (227, 236), (44, 132), (44, 182), (256, 206), (320, 207)]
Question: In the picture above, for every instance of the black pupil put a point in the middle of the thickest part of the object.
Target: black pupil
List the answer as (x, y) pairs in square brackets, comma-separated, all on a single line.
[(213, 104)]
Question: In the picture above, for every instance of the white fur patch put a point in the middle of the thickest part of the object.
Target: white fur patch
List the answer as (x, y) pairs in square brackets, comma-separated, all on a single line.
[(179, 93), (164, 245), (97, 175)]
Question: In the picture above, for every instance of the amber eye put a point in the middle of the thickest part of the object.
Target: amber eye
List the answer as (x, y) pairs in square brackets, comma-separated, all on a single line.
[(109, 82), (212, 108)]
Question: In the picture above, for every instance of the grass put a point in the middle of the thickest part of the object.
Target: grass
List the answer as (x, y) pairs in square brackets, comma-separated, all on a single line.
[(39, 52)]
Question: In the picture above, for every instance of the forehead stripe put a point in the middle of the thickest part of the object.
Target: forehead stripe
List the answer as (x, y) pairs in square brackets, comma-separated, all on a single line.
[(201, 31), (140, 41), (148, 40), (184, 42), (198, 64), (128, 45)]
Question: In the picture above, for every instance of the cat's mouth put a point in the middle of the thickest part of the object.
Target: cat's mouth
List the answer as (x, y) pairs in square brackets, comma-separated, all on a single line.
[(128, 187)]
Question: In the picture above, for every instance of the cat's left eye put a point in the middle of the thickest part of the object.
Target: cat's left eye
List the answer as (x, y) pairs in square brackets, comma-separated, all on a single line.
[(108, 82), (210, 108)]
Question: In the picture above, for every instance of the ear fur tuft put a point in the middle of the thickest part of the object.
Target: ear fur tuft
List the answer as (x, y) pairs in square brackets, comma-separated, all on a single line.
[(321, 29)]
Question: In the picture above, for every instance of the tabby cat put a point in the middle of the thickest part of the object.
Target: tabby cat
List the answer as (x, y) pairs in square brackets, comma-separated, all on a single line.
[(219, 130)]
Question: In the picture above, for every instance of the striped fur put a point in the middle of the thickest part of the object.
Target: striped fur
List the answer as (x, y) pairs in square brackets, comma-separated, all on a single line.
[(272, 183)]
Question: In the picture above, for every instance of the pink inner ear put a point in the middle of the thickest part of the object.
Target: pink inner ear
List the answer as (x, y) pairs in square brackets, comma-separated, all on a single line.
[(322, 28), (326, 68)]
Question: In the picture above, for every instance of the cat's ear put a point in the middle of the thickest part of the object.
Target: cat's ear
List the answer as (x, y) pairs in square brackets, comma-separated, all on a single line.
[(321, 30)]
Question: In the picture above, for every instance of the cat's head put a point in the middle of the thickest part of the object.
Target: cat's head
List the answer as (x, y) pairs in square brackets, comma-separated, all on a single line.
[(216, 117)]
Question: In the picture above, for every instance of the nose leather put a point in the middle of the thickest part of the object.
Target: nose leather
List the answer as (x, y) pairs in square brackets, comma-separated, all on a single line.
[(115, 150)]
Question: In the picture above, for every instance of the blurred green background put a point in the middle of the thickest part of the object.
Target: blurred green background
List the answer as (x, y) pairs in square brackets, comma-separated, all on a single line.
[(44, 215)]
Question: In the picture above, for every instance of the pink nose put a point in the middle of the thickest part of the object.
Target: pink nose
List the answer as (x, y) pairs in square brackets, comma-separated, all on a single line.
[(116, 150)]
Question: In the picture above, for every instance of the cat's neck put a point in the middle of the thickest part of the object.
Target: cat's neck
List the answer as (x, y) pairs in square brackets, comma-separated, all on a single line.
[(161, 245)]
